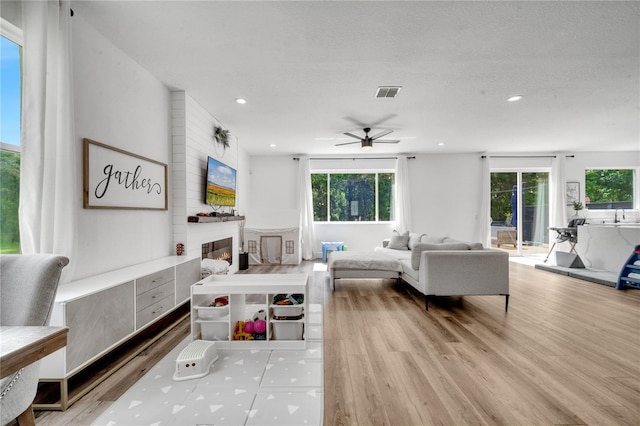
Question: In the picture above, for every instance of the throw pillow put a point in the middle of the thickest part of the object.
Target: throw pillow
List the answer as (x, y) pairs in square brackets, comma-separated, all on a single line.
[(399, 241), (475, 246), (416, 254), (414, 239)]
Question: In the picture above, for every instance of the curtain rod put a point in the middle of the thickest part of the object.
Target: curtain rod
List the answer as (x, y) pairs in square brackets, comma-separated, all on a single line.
[(354, 158), (524, 156)]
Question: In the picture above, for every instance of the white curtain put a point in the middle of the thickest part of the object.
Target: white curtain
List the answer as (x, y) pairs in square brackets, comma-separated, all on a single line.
[(305, 205), (403, 195), (539, 223), (558, 192), (484, 217), (49, 187)]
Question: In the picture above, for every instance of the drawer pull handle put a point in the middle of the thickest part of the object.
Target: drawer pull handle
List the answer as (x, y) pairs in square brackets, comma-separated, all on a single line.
[(156, 295), (159, 310)]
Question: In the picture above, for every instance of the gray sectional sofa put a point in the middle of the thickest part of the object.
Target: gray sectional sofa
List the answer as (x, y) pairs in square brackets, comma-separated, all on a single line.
[(441, 266)]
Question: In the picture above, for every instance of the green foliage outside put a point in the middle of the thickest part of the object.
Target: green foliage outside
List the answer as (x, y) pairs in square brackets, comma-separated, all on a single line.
[(606, 186), (319, 193), (386, 183), (352, 196), (502, 187), (9, 198)]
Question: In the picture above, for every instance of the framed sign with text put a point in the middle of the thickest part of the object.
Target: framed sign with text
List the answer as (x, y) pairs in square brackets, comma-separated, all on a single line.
[(117, 179)]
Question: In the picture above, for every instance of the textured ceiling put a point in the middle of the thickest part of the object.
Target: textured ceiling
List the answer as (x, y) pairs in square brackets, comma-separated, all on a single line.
[(309, 70)]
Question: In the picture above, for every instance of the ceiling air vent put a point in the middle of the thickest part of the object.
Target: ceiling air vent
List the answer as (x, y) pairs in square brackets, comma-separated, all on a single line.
[(387, 91)]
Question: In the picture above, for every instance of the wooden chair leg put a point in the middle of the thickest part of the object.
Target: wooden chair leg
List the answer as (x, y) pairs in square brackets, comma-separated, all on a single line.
[(27, 418)]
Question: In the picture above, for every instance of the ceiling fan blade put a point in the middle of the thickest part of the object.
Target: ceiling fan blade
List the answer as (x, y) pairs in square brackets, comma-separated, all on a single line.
[(381, 134), (352, 135), (386, 141), (347, 143)]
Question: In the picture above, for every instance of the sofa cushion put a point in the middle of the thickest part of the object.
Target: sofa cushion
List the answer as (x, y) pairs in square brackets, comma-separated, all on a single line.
[(399, 241), (476, 246), (414, 239), (451, 240), (409, 271), (431, 240), (396, 254), (416, 253)]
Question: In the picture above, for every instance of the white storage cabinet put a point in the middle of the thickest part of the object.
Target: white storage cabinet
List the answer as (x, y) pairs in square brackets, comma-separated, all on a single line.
[(105, 310), (248, 294)]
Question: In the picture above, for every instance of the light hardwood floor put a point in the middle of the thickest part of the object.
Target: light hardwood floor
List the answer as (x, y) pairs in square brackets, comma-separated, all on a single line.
[(567, 352)]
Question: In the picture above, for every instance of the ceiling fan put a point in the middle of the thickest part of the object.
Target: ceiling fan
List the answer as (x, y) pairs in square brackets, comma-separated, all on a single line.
[(368, 141)]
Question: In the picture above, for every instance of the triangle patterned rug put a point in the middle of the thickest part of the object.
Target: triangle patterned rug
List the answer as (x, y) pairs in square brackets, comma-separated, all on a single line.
[(243, 387)]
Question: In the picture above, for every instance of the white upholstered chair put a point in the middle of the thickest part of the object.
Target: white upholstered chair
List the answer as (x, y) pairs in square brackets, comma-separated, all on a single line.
[(28, 285)]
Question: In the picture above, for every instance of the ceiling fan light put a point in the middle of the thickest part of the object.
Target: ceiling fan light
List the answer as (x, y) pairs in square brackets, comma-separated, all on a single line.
[(367, 147)]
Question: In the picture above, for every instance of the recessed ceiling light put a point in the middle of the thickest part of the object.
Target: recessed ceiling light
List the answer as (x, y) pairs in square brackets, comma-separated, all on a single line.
[(272, 145), (515, 98), (241, 101), (440, 143)]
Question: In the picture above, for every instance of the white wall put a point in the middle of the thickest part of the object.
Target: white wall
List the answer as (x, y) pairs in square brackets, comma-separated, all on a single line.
[(274, 183), (445, 192), (119, 103), (437, 180)]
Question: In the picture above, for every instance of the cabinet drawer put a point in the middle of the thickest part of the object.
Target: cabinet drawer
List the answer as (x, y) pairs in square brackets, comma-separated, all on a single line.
[(154, 311), (146, 283), (152, 296)]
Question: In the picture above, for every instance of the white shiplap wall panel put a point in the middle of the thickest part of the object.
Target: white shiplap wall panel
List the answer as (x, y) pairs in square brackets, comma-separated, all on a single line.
[(192, 143)]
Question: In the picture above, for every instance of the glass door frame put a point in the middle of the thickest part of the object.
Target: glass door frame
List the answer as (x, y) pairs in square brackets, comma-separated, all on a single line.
[(519, 199)]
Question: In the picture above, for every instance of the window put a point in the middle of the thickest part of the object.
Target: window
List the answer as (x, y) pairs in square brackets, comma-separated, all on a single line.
[(10, 99), (353, 197), (609, 188)]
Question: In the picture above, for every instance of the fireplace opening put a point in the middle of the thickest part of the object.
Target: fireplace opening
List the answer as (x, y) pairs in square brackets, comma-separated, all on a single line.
[(218, 250)]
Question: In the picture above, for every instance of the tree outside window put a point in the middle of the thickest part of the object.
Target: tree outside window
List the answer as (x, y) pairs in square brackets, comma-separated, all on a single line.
[(353, 197), (609, 188)]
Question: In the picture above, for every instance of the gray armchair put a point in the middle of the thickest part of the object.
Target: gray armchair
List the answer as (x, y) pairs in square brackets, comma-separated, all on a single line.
[(28, 285)]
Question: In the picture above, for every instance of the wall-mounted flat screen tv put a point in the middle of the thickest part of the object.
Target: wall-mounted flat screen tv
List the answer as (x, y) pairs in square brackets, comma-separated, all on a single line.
[(221, 184)]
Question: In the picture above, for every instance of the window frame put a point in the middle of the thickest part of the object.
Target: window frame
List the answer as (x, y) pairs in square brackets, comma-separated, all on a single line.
[(376, 171), (14, 34)]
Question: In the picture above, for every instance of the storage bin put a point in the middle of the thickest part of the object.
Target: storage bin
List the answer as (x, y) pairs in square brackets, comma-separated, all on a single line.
[(287, 330), (287, 310), (212, 330), (212, 312)]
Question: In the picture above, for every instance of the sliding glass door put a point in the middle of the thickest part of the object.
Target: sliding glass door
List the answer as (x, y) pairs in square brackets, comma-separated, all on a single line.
[(520, 212)]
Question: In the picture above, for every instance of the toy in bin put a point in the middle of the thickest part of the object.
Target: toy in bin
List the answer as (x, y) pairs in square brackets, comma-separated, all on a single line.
[(254, 329), (288, 299), (288, 306)]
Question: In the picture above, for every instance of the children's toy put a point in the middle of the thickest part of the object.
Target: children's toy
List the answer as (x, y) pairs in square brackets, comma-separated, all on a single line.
[(261, 314), (195, 360), (260, 326)]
